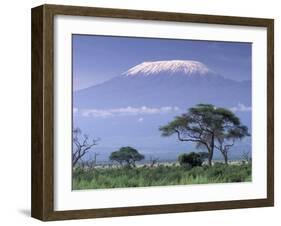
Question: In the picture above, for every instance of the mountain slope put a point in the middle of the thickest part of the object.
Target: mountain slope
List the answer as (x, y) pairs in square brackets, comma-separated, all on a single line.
[(165, 83)]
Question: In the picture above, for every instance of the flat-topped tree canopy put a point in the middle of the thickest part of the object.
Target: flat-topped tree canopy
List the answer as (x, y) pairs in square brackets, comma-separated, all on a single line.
[(204, 124), (127, 155)]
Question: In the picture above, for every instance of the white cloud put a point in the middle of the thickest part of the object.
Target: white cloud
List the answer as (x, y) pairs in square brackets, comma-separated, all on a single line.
[(140, 119), (96, 113), (127, 111), (241, 108)]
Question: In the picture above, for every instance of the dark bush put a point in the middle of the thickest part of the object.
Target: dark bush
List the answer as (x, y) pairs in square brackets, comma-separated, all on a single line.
[(192, 159), (127, 155)]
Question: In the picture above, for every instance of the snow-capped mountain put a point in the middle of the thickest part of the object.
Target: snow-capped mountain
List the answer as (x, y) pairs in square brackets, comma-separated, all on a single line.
[(172, 67), (181, 83)]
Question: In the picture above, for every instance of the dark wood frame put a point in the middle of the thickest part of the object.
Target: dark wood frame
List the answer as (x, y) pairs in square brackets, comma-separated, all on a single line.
[(42, 203)]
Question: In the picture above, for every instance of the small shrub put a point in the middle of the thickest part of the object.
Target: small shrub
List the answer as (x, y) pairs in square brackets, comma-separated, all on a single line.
[(192, 159)]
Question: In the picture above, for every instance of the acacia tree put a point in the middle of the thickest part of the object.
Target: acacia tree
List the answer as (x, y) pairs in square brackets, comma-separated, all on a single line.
[(201, 124), (227, 138), (127, 155), (82, 145)]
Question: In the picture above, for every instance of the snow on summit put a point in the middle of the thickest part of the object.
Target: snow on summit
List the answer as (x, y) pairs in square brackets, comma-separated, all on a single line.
[(188, 67)]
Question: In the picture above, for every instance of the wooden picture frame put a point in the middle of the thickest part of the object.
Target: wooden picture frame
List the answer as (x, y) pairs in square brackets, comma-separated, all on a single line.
[(42, 204)]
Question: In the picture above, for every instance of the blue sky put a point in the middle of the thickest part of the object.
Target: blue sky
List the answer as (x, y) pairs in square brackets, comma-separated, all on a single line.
[(99, 58)]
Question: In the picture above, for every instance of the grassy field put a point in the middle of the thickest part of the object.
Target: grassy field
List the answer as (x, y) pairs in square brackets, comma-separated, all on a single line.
[(159, 176)]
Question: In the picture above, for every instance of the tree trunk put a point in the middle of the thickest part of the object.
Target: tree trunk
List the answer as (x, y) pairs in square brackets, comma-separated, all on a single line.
[(225, 158), (211, 151), (134, 164), (74, 161), (210, 157)]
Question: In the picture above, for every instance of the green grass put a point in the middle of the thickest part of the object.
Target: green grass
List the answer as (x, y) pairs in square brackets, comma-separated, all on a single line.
[(159, 176)]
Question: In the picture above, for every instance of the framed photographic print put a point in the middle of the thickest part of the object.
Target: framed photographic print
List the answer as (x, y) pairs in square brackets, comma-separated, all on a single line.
[(141, 112)]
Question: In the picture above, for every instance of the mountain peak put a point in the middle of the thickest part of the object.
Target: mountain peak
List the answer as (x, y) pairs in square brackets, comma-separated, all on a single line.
[(188, 67)]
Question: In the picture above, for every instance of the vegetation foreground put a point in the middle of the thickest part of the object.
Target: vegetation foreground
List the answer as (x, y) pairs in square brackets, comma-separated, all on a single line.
[(211, 129), (98, 178)]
